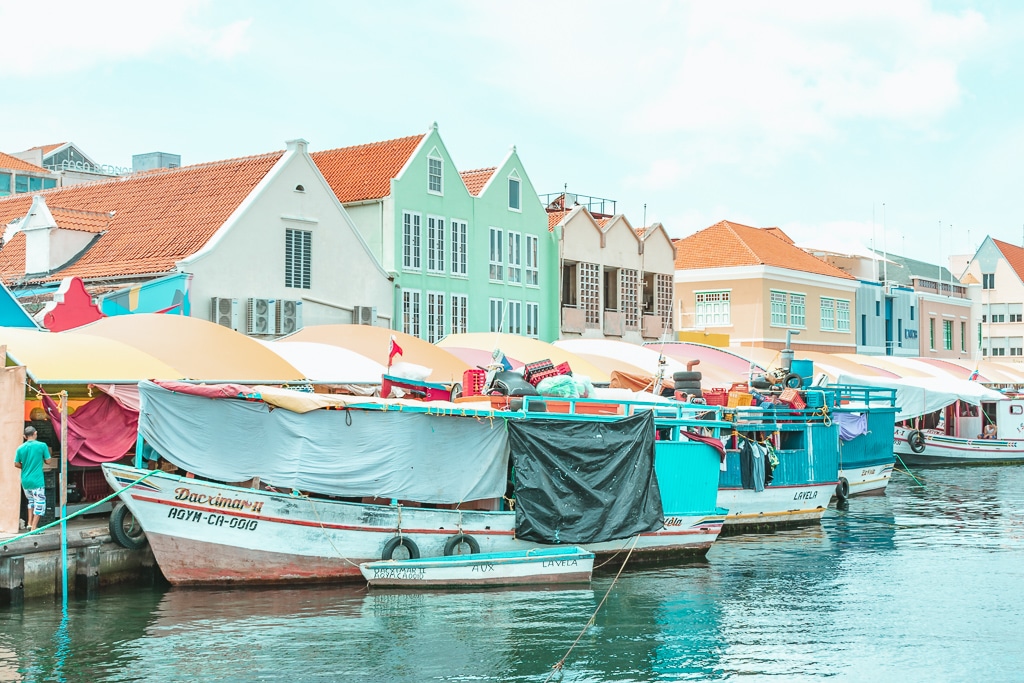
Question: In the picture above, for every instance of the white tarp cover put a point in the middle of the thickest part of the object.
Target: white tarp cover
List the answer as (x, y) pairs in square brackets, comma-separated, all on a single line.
[(328, 364), (394, 454), (922, 395)]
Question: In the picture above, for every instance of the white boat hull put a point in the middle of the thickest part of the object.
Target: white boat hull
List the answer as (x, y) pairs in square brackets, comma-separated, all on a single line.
[(481, 570), (207, 533), (774, 506), (869, 480), (940, 449)]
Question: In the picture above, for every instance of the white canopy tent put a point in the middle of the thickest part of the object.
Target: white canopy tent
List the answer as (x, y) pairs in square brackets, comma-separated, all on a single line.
[(328, 364), (923, 395)]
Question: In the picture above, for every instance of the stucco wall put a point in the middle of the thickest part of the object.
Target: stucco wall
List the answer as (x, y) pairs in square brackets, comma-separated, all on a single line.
[(1008, 290), (934, 311)]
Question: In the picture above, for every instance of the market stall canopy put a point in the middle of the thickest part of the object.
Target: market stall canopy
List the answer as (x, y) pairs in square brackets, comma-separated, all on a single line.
[(478, 358), (718, 367), (900, 367), (54, 359), (922, 395), (528, 350), (989, 372), (623, 355), (372, 342), (197, 349), (328, 364)]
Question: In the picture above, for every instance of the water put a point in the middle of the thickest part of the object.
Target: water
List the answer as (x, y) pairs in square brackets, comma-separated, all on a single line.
[(918, 585)]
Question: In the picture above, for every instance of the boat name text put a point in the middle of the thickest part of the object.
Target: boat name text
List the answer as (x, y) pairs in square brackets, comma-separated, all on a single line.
[(805, 495), (217, 501), (213, 519), (559, 563), (399, 573)]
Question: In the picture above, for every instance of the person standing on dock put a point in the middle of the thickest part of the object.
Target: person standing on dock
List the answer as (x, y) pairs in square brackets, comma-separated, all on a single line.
[(30, 458)]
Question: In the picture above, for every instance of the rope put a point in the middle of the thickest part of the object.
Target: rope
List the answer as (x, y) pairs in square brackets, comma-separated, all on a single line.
[(906, 470), (80, 512), (326, 535), (590, 622)]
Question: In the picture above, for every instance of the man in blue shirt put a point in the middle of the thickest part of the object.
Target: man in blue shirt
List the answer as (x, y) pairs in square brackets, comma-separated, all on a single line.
[(30, 458)]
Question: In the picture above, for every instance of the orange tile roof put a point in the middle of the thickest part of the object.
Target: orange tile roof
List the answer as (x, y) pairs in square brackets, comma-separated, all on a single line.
[(777, 232), (554, 218), (365, 171), (47, 148), (477, 178), (8, 162), (1014, 256), (159, 217), (726, 245), (601, 222), (969, 279)]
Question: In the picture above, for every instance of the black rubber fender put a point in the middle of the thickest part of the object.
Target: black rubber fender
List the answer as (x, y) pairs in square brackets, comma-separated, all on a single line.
[(686, 376), (793, 381), (915, 439), (125, 529), (391, 546), (461, 539), (843, 490)]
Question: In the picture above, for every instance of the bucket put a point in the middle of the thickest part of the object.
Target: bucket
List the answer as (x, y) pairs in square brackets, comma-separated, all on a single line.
[(804, 368)]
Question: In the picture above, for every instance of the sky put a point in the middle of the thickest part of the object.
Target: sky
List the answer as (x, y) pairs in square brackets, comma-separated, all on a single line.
[(846, 124)]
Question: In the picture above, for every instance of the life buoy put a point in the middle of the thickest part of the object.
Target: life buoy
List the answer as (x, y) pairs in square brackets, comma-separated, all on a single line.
[(843, 490), (915, 439), (454, 545), (125, 529), (404, 541)]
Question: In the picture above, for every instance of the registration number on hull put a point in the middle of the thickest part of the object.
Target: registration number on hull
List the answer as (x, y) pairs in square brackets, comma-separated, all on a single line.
[(213, 519)]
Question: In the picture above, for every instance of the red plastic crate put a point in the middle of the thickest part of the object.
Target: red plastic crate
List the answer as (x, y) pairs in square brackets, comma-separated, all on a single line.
[(536, 377), (716, 397), (537, 367), (473, 381), (563, 369)]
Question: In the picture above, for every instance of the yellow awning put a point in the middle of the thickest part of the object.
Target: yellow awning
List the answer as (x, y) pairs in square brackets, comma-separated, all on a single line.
[(527, 350), (59, 358), (372, 342), (197, 349)]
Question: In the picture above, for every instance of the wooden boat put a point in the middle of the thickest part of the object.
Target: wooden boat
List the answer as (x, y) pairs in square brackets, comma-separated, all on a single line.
[(205, 531), (568, 564)]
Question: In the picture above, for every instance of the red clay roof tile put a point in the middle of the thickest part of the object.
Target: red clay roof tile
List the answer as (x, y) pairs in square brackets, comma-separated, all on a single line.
[(8, 162), (365, 171), (726, 245), (160, 217), (477, 178), (1014, 256)]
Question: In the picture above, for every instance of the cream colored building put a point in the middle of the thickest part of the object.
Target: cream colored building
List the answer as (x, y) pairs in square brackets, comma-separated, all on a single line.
[(999, 302)]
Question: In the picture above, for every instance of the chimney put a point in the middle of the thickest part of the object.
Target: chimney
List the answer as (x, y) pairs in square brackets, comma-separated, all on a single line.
[(38, 227)]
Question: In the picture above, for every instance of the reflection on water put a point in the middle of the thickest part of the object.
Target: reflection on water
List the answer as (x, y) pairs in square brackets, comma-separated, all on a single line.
[(921, 585)]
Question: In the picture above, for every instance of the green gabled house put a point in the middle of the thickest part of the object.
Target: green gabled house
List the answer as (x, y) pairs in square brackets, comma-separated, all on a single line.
[(469, 251)]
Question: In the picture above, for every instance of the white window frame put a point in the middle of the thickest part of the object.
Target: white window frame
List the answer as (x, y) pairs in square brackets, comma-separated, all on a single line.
[(411, 299), (412, 234), (779, 305), (459, 313), (711, 304), (497, 313), (828, 324), (514, 317), (532, 275), (435, 244), (797, 310), (435, 316), (515, 257), (496, 271), (439, 175), (843, 315), (532, 318), (513, 177), (460, 247)]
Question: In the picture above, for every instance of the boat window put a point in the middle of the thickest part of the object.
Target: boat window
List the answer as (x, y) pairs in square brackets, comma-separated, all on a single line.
[(1017, 410)]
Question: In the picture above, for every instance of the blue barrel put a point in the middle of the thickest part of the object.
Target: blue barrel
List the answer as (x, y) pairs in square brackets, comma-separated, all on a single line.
[(804, 368)]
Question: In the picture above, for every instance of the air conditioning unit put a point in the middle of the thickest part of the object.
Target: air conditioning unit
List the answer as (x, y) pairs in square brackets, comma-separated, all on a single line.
[(224, 311), (262, 316), (364, 315), (289, 316)]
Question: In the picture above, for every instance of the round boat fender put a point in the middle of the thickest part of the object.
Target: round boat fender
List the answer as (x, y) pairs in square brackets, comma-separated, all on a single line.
[(125, 529), (793, 380), (391, 546), (451, 547), (915, 439), (843, 490)]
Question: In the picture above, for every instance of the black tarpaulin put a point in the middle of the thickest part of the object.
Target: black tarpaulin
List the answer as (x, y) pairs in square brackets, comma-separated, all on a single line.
[(584, 482)]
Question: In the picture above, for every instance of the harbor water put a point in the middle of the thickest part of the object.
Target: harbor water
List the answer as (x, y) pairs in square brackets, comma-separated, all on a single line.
[(922, 584)]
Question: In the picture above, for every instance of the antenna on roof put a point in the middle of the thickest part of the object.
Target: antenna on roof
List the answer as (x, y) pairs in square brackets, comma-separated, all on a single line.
[(645, 216)]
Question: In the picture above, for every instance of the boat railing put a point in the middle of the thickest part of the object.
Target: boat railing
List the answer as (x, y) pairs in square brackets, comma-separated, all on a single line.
[(856, 394)]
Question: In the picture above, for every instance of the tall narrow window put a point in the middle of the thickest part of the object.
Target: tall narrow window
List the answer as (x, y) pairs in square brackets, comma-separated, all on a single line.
[(515, 257), (947, 335), (629, 292), (590, 293), (842, 315), (297, 258), (460, 313), (411, 241), (435, 316), (411, 312), (532, 268), (460, 247), (514, 317), (778, 300), (963, 336), (798, 310), (828, 314), (931, 333), (532, 319), (497, 315), (435, 244), (497, 273), (712, 309), (514, 198), (435, 167)]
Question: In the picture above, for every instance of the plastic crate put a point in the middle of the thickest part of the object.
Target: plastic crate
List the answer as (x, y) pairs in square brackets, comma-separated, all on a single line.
[(716, 397), (426, 391), (739, 398), (473, 381), (537, 367), (792, 398), (563, 369), (536, 377)]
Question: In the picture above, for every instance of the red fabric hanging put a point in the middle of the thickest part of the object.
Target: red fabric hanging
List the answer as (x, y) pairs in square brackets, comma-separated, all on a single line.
[(102, 430)]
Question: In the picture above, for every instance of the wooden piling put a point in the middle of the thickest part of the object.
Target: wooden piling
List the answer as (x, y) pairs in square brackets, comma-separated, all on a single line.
[(12, 581), (87, 572)]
